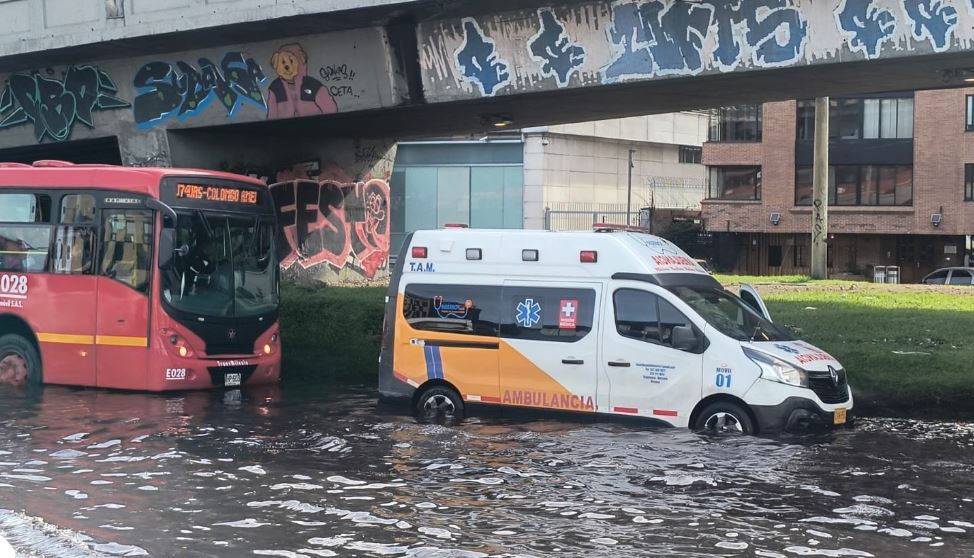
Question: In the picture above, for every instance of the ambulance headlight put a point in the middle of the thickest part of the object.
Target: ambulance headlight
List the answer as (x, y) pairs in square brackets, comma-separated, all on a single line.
[(777, 370)]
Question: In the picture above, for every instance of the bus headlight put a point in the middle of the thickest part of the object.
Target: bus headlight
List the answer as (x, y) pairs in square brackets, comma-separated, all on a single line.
[(179, 345), (267, 349), (777, 370)]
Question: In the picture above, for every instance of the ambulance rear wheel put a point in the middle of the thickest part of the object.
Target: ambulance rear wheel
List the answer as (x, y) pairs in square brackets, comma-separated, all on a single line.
[(20, 365), (439, 403), (724, 416)]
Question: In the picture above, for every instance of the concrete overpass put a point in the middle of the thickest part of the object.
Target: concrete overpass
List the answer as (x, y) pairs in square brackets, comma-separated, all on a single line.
[(260, 85)]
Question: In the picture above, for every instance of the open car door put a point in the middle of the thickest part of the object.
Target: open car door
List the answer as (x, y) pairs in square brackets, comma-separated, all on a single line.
[(750, 295)]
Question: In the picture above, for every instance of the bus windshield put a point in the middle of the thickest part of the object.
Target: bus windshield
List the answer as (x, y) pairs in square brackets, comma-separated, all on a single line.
[(225, 266), (729, 314)]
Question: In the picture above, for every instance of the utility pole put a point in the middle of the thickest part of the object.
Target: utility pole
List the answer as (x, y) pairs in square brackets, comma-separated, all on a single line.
[(820, 192), (629, 191)]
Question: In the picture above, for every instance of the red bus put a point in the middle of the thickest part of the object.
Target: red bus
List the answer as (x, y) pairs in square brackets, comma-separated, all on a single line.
[(136, 278)]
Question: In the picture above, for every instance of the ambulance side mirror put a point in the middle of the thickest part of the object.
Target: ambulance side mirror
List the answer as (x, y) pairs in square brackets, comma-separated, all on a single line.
[(684, 338)]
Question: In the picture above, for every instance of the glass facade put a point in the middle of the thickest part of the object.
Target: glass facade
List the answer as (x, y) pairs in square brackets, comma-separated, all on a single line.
[(736, 124), (735, 183), (476, 184), (856, 119), (885, 185)]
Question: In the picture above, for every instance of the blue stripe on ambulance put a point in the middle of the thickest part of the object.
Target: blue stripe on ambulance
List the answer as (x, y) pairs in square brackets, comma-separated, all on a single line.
[(434, 364)]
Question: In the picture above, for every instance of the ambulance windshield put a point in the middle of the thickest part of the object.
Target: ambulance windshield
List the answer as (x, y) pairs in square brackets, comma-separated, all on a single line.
[(729, 314)]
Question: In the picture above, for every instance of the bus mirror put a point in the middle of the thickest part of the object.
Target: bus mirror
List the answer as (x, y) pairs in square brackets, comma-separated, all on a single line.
[(167, 241), (684, 339)]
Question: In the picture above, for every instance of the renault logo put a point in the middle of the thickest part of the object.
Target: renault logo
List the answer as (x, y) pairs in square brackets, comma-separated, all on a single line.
[(835, 376), (232, 334)]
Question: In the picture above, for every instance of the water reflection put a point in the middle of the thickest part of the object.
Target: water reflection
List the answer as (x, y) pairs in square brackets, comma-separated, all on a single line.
[(320, 471)]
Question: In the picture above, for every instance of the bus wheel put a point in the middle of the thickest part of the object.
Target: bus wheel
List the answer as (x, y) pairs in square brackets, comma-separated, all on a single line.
[(20, 365), (439, 403), (724, 417)]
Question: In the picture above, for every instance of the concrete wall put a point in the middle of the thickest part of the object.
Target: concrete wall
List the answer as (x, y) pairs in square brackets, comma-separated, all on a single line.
[(601, 42), (36, 25), (302, 76), (585, 166)]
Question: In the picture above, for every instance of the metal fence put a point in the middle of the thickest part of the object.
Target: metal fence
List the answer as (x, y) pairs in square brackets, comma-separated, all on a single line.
[(582, 216), (658, 193)]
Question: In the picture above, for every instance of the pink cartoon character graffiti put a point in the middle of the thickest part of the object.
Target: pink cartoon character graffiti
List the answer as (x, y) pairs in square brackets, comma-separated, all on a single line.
[(295, 93)]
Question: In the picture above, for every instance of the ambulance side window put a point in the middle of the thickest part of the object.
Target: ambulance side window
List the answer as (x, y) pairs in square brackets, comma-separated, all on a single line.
[(542, 314), (463, 309), (637, 315)]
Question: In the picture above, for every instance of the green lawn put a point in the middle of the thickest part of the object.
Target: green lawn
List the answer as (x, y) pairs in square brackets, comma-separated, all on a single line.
[(908, 350), (331, 332)]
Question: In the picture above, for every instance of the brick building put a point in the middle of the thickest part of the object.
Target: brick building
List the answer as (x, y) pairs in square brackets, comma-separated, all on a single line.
[(901, 186)]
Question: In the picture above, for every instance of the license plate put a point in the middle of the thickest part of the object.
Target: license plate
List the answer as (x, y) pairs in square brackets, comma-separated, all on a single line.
[(840, 416), (231, 380)]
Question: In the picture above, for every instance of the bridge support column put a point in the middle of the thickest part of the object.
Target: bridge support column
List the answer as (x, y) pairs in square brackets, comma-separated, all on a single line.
[(820, 192)]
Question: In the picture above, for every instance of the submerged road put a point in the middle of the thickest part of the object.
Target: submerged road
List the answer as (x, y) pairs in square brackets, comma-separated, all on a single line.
[(324, 471)]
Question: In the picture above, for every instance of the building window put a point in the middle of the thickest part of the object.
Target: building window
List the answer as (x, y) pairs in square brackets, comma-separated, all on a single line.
[(799, 254), (882, 185), (775, 256), (738, 123), (970, 113), (854, 119), (735, 183), (969, 182), (691, 154)]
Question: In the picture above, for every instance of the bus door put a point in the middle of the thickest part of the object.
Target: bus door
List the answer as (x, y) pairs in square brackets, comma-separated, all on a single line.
[(549, 345), (122, 322), (66, 317)]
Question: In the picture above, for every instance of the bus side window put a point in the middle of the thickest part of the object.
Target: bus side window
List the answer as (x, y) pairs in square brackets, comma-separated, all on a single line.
[(74, 241), (127, 247), (25, 232)]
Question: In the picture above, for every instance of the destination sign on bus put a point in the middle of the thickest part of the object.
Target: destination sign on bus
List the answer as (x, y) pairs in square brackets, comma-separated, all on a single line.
[(218, 194)]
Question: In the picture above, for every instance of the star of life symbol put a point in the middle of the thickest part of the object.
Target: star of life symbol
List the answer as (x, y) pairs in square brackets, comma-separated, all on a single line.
[(787, 349), (528, 313)]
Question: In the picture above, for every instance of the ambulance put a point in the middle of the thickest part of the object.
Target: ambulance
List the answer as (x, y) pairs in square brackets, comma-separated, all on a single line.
[(611, 321)]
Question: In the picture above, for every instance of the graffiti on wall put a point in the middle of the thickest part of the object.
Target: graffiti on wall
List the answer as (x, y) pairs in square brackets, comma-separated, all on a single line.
[(54, 104), (478, 61), (295, 93), (183, 91), (330, 222), (603, 42)]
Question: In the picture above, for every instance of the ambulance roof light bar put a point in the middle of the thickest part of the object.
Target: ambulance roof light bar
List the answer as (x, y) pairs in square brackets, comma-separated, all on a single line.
[(611, 227)]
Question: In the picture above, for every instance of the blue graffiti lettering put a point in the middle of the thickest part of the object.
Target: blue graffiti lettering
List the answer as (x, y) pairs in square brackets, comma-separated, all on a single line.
[(727, 16), (185, 92), (559, 56), (932, 20), (478, 61), (656, 39), (866, 25), (764, 33)]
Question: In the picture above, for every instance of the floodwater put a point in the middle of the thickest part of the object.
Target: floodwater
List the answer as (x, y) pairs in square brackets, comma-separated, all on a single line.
[(324, 471)]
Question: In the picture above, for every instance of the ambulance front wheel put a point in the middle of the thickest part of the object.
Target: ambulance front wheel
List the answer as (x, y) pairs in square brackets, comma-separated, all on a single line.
[(439, 403), (724, 416)]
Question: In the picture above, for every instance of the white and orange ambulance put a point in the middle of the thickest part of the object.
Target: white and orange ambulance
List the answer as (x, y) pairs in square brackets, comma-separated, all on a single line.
[(609, 321)]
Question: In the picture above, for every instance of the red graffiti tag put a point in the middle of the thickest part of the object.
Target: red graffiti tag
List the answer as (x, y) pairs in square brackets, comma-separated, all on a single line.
[(330, 222)]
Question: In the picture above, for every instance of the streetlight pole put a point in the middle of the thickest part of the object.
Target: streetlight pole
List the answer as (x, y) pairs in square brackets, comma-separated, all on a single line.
[(629, 190)]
